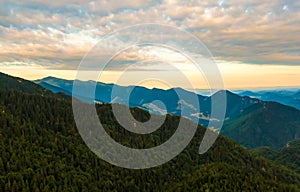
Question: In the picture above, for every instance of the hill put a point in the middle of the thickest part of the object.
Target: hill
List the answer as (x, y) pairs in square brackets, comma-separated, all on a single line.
[(264, 124), (15, 83), (41, 150), (10, 83), (289, 155), (286, 97), (142, 97)]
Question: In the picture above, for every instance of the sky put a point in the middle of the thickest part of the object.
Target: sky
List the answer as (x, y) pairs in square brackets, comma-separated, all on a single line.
[(255, 43)]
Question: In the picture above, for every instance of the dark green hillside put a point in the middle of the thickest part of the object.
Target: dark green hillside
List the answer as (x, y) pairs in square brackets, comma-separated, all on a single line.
[(264, 124), (226, 177), (42, 151), (265, 152), (289, 155), (8, 83)]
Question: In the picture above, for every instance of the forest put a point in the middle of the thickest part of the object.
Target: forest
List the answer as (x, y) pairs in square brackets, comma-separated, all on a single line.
[(41, 150)]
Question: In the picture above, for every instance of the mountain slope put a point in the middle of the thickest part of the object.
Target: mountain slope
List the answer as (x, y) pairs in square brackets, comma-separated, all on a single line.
[(142, 97), (41, 150), (9, 83), (237, 104), (288, 155), (264, 124), (286, 97)]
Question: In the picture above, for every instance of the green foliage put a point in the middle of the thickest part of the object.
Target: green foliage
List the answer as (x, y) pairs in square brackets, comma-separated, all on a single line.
[(225, 177), (41, 150), (288, 155), (9, 83), (264, 124), (266, 152)]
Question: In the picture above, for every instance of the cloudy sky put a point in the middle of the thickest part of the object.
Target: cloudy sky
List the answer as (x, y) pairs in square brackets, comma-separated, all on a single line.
[(254, 42)]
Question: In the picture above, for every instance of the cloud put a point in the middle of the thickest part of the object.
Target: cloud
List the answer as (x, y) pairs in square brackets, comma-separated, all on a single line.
[(57, 34)]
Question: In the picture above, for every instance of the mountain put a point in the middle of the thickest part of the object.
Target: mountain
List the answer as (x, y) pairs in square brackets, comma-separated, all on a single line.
[(142, 97), (286, 97), (289, 155), (237, 104), (244, 115), (9, 83), (264, 124), (297, 95), (249, 121), (41, 150)]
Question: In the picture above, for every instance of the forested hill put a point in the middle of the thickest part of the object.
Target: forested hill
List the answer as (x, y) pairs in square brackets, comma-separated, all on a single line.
[(14, 83), (264, 124), (41, 150), (249, 122), (289, 155)]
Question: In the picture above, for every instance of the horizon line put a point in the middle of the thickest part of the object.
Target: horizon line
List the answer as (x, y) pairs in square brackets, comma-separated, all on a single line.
[(254, 88)]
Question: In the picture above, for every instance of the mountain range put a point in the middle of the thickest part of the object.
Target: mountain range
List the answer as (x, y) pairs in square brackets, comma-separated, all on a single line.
[(41, 150), (142, 97), (249, 121), (290, 97)]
